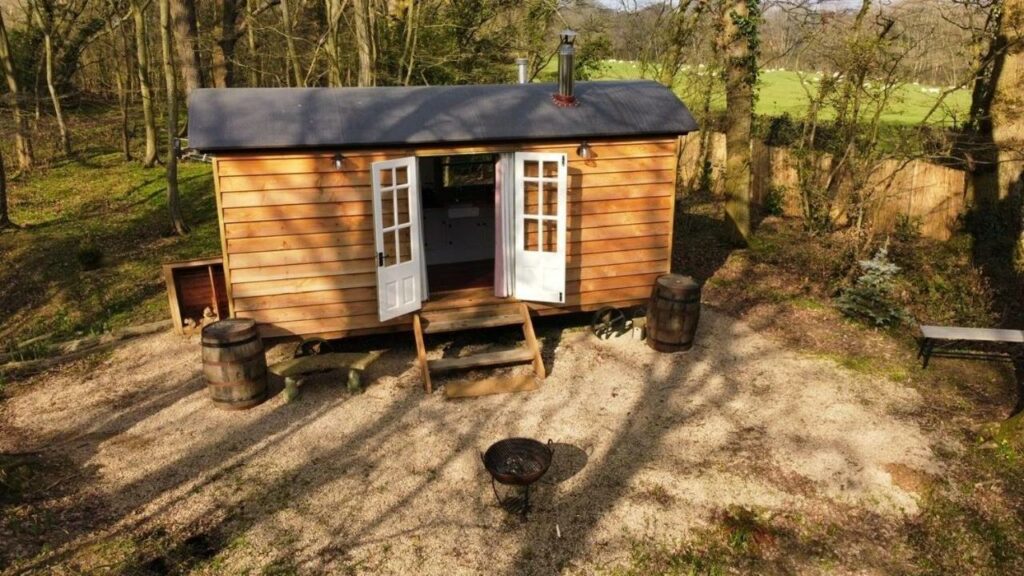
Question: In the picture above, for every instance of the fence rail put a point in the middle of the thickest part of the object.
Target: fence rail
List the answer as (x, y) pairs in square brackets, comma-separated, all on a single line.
[(932, 195)]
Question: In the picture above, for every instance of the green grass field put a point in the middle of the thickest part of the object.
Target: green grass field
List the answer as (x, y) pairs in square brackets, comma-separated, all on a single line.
[(781, 91)]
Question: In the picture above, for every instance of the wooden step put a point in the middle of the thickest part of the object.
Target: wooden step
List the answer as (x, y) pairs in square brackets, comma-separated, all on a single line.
[(497, 358), (492, 385), (472, 311), (490, 316), (446, 324)]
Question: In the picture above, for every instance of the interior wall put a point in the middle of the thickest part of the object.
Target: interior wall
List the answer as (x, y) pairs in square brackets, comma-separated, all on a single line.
[(458, 226)]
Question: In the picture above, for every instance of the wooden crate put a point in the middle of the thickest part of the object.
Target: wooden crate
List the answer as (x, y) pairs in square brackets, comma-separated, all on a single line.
[(192, 287)]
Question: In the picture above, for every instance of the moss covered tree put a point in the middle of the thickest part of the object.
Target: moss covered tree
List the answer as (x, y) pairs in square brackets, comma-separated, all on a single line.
[(5, 217), (740, 20), (22, 138)]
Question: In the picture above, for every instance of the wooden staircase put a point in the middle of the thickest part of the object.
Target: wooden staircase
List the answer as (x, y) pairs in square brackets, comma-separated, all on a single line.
[(489, 316)]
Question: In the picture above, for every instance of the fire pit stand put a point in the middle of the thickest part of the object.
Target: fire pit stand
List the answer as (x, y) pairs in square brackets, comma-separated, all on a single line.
[(517, 462)]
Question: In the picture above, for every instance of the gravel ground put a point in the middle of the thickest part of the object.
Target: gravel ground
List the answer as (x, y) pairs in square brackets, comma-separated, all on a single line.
[(390, 481)]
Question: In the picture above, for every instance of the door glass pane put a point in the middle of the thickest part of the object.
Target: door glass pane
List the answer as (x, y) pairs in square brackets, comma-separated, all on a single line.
[(550, 236), (404, 244), (531, 190), (550, 207), (387, 177), (530, 235), (403, 205), (551, 169), (401, 175), (387, 207), (390, 256), (530, 169)]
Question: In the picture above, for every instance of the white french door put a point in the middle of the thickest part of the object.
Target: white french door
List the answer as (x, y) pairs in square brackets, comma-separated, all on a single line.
[(396, 227), (541, 183)]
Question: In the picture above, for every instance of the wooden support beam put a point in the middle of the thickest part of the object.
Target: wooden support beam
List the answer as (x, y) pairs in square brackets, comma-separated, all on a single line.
[(421, 353), (531, 341)]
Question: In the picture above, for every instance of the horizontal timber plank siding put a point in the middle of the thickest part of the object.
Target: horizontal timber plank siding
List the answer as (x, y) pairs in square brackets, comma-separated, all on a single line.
[(298, 233)]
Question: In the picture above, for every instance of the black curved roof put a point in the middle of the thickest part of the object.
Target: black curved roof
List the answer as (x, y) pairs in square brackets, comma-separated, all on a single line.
[(285, 118)]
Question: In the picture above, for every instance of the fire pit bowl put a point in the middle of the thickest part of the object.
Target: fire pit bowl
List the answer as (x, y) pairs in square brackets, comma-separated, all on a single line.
[(517, 462)]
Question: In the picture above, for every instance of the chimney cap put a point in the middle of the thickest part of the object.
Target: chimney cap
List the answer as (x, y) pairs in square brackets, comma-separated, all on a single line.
[(567, 36)]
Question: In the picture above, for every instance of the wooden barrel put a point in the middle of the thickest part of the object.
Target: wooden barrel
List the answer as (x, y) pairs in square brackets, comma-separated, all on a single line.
[(673, 313), (234, 364)]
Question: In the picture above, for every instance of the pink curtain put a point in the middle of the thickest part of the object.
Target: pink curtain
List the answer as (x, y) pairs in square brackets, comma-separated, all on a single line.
[(499, 234)]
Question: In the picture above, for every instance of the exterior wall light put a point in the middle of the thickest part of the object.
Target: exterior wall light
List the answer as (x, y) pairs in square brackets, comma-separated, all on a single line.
[(585, 151), (338, 159)]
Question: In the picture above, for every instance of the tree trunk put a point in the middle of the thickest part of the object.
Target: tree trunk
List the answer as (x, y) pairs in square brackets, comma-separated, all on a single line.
[(411, 37), (142, 66), (186, 40), (58, 110), (250, 34), (740, 76), (173, 198), (682, 26), (364, 39), (1008, 118), (121, 78), (46, 27), (5, 217), (226, 35), (334, 12), (22, 140), (289, 38)]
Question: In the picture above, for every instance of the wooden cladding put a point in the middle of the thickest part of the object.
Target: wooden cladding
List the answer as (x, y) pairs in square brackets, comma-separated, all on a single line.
[(298, 239)]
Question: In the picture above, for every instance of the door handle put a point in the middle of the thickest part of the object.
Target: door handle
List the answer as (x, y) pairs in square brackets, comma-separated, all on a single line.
[(380, 259)]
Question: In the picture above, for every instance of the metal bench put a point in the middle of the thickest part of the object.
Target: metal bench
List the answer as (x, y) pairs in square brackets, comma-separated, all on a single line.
[(970, 343)]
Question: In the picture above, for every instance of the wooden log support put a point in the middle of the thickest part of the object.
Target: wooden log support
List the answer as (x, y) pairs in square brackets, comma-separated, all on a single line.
[(421, 353), (531, 342), (350, 364), (80, 348)]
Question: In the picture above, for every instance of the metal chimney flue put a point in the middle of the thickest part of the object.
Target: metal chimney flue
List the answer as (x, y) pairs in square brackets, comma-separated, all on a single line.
[(566, 57), (523, 64)]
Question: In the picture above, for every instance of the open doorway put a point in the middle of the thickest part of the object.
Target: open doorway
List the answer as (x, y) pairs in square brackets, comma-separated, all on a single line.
[(458, 220)]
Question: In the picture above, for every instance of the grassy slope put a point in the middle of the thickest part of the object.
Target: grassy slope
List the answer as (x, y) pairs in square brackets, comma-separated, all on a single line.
[(96, 203), (780, 91)]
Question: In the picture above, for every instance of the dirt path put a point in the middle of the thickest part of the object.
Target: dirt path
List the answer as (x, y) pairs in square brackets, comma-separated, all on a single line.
[(390, 481)]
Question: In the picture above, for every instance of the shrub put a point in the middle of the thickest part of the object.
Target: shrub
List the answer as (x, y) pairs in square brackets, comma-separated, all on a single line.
[(907, 228), (941, 284), (781, 130), (706, 179), (774, 201), (871, 297), (89, 256)]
